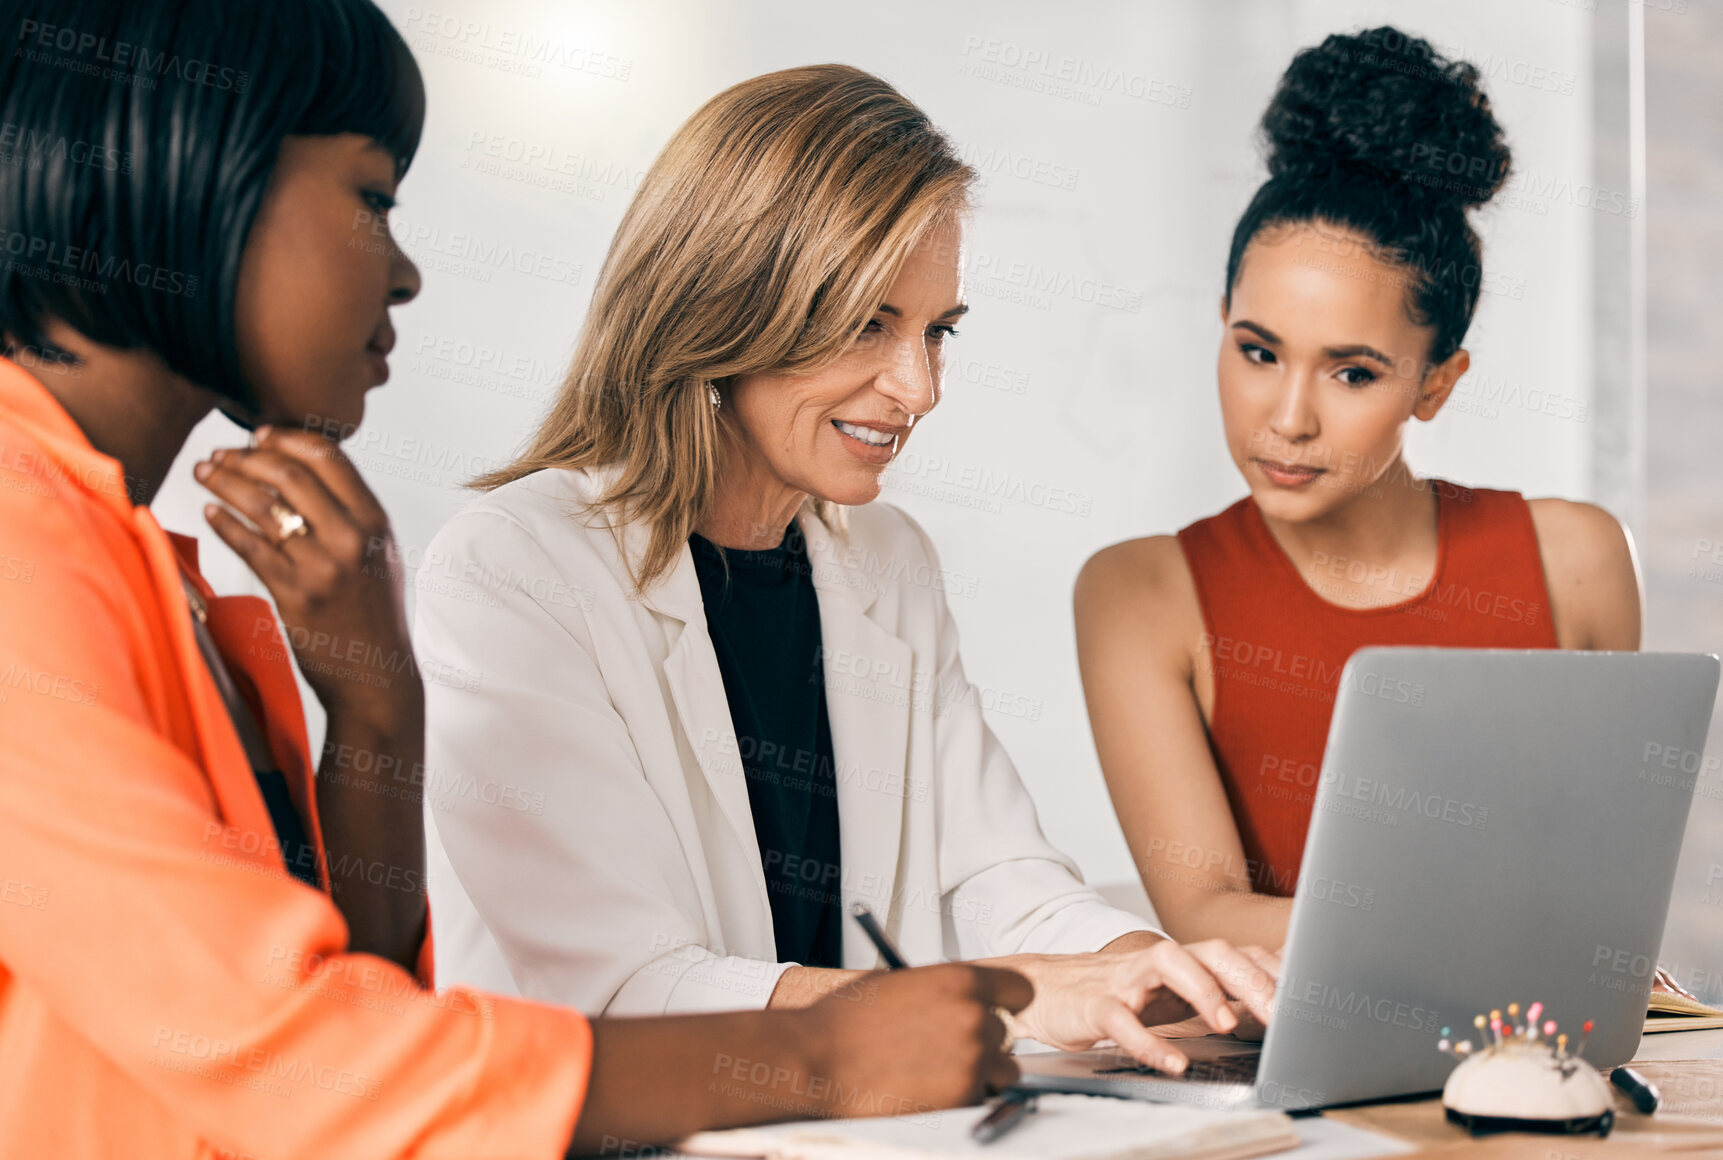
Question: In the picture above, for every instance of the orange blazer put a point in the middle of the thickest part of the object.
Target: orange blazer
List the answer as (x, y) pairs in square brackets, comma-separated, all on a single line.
[(166, 988)]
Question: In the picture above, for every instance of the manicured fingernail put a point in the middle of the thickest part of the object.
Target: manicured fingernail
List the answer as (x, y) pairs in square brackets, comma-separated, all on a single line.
[(201, 471), (209, 511), (264, 432), (1227, 1020), (1173, 1065)]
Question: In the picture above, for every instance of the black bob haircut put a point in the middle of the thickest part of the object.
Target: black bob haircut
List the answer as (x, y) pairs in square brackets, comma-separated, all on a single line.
[(137, 138), (1379, 134)]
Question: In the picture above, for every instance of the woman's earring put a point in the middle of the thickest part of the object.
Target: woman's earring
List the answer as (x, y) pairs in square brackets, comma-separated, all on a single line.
[(712, 393)]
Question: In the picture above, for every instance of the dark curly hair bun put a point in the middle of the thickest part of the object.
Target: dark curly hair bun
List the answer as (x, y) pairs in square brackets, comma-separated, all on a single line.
[(1387, 103), (1379, 134)]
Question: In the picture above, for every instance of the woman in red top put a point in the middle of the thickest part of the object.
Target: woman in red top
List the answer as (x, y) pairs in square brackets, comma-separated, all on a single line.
[(1210, 660)]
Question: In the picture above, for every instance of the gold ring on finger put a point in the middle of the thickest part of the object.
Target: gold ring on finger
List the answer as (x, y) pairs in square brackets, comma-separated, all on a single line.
[(288, 523)]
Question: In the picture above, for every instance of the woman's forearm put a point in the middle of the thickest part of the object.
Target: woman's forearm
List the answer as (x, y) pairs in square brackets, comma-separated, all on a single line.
[(368, 789), (1241, 918), (657, 1080)]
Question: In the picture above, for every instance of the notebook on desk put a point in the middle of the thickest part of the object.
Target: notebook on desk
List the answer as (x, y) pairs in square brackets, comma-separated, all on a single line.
[(1064, 1127), (1671, 1012)]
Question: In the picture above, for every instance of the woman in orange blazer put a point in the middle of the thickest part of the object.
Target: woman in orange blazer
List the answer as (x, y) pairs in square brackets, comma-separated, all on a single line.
[(210, 946)]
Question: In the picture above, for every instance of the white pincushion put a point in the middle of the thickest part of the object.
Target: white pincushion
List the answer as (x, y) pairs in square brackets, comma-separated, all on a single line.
[(1517, 1080), (1514, 1082)]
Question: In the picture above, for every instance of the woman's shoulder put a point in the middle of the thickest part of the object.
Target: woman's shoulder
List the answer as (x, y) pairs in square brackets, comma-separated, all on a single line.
[(1137, 598), (1591, 571), (1578, 523), (1579, 538), (1149, 568), (552, 503), (546, 516)]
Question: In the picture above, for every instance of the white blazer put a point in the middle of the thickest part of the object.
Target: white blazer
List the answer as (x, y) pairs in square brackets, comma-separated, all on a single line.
[(589, 837)]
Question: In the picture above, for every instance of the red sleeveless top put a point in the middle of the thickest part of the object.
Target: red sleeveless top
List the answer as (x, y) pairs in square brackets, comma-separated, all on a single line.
[(1277, 647)]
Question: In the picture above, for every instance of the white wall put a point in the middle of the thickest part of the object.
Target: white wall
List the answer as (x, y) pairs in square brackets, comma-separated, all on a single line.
[(1090, 406)]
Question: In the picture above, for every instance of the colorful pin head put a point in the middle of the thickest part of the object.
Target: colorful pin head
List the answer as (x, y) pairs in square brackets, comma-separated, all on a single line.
[(1499, 1034)]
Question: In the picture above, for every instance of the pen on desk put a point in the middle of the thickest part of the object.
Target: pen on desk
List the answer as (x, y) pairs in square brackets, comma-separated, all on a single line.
[(1640, 1090), (870, 926), (1005, 1113)]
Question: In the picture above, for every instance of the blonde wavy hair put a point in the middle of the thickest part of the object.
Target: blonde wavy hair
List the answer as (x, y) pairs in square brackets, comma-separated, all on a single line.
[(762, 240)]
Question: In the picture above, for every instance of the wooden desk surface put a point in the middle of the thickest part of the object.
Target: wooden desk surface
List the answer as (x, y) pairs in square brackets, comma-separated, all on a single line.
[(1686, 1066)]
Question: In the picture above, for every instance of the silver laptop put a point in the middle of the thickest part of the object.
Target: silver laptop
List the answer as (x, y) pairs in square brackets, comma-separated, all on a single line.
[(1490, 826)]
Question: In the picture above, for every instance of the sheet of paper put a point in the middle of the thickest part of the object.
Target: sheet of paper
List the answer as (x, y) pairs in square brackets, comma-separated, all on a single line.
[(1064, 1127)]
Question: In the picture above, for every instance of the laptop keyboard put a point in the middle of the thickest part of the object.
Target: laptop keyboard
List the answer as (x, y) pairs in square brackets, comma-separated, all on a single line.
[(1226, 1069)]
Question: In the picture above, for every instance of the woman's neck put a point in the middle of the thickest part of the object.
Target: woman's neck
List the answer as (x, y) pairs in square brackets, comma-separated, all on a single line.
[(1394, 517), (753, 505), (130, 407), (751, 522)]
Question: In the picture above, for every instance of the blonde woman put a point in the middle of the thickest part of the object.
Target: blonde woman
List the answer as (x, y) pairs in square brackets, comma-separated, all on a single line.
[(716, 690)]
